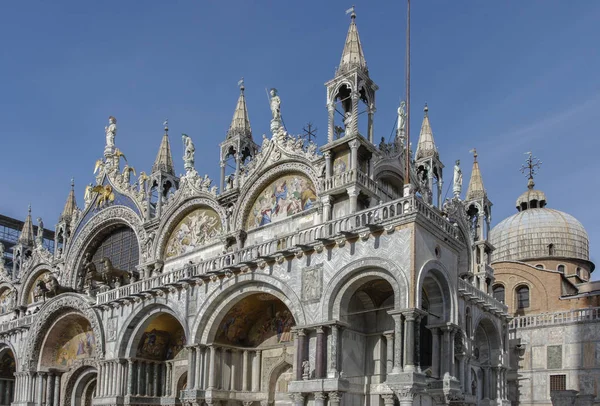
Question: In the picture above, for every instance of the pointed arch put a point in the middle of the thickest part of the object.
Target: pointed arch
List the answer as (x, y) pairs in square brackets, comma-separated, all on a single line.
[(441, 282)]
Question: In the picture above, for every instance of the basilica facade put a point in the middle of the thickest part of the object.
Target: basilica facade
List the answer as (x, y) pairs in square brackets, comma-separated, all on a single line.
[(308, 275)]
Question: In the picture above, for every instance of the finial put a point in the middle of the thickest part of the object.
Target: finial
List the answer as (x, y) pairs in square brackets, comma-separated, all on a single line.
[(166, 126), (29, 209), (474, 152), (530, 168), (352, 12), (426, 109), (72, 183), (241, 84)]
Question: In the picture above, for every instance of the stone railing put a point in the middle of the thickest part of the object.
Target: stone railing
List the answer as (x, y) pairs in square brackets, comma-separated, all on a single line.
[(479, 296), (354, 223), (557, 318), (354, 175), (21, 322)]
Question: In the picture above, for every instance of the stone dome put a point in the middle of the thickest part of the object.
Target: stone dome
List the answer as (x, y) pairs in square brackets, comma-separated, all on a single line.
[(539, 233)]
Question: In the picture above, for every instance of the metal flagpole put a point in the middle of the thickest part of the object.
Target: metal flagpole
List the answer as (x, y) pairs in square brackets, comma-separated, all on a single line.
[(407, 176)]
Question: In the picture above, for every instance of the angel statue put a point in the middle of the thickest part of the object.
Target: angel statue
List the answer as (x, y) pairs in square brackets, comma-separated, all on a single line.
[(143, 179), (458, 179), (188, 154), (127, 173), (87, 196), (111, 131)]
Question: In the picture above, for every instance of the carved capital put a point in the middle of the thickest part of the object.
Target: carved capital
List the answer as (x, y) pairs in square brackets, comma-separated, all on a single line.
[(335, 397), (388, 399)]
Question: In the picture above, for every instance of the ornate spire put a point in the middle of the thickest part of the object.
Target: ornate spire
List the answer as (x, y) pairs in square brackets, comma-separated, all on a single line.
[(240, 124), (476, 189), (426, 146), (530, 168), (352, 55), (164, 159), (27, 236), (70, 204)]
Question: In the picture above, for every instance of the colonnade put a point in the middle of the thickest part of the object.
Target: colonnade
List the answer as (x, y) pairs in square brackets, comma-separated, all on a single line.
[(206, 368), (146, 378), (39, 388)]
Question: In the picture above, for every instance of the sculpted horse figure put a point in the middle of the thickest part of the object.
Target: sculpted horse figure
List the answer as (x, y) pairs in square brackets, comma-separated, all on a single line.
[(113, 276), (39, 291), (54, 288)]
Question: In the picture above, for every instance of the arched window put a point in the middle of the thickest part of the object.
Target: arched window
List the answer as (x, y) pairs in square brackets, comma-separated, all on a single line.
[(561, 268), (551, 249), (539, 266), (498, 291), (522, 297)]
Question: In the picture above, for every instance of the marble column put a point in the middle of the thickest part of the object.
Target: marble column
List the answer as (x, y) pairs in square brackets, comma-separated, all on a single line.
[(436, 354), (399, 342), (3, 391), (300, 353), (486, 383), (140, 375), (327, 155), (155, 379), (199, 357), (326, 201), (353, 196), (409, 342), (212, 367), (320, 352), (256, 362), (222, 186), (355, 96), (330, 121), (371, 112), (448, 350), (191, 367), (333, 352), (169, 388), (319, 398), (49, 388), (354, 154), (130, 377), (417, 341), (389, 358), (233, 370), (40, 390), (245, 366)]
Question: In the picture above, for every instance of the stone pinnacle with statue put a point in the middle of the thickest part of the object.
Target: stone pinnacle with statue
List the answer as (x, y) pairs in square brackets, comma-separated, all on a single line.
[(275, 103)]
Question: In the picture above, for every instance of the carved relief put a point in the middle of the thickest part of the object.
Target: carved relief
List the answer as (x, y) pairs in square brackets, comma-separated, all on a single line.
[(312, 282)]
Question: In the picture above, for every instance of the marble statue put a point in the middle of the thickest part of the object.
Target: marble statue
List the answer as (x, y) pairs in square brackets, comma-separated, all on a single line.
[(40, 231), (111, 131), (127, 173), (305, 370), (458, 179), (206, 181), (275, 105), (347, 121), (188, 155), (401, 117), (142, 180), (265, 142), (87, 196)]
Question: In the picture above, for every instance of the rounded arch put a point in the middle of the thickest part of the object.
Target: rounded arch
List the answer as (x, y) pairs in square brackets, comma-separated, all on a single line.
[(521, 286), (350, 277), (135, 324), (178, 212), (48, 314), (258, 184), (220, 301), (434, 275), (8, 347), (274, 374), (76, 382), (27, 285), (108, 217), (487, 341)]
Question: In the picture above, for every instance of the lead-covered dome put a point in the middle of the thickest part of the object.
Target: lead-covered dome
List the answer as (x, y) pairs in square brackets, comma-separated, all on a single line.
[(538, 232)]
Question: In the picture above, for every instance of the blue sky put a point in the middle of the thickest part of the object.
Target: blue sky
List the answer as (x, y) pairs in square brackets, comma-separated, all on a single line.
[(506, 77)]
